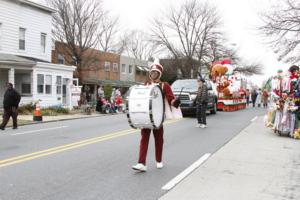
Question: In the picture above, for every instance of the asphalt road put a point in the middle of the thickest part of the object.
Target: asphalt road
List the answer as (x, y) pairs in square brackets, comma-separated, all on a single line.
[(92, 158)]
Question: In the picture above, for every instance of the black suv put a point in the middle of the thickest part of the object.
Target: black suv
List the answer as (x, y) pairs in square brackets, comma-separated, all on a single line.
[(186, 90)]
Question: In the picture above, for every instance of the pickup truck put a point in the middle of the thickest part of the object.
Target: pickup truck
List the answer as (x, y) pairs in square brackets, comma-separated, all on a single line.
[(186, 90)]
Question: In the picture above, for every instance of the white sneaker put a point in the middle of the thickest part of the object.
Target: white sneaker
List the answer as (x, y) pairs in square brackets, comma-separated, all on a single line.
[(159, 165), (140, 167), (204, 126), (198, 125)]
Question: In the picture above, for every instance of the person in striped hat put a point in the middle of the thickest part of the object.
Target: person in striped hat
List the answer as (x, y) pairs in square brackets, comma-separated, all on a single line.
[(155, 73)]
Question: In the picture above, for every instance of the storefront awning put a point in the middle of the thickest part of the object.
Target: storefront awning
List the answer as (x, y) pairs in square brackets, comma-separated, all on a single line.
[(146, 69), (114, 83), (139, 68)]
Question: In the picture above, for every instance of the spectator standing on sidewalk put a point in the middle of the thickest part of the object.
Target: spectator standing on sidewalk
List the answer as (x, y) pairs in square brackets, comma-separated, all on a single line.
[(202, 97), (100, 92), (99, 99), (265, 98), (117, 93), (10, 104), (253, 96), (258, 98), (113, 95), (247, 97)]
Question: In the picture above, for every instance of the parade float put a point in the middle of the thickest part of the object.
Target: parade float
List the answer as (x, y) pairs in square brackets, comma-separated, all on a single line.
[(284, 113), (231, 93)]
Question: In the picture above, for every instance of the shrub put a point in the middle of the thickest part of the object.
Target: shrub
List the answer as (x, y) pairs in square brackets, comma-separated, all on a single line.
[(26, 109), (107, 91), (55, 110)]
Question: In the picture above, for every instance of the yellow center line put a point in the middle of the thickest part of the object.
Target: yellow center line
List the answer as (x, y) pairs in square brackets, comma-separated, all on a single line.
[(63, 146), (47, 152)]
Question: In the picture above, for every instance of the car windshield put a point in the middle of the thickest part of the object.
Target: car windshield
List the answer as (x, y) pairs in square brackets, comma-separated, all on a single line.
[(187, 84)]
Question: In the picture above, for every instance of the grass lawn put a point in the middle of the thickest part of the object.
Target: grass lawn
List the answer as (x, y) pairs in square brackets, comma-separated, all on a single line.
[(20, 122)]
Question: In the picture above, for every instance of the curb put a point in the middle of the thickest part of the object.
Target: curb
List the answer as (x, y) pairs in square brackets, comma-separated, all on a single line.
[(57, 120)]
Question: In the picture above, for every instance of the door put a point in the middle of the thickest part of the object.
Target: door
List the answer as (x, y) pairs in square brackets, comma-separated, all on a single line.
[(65, 91)]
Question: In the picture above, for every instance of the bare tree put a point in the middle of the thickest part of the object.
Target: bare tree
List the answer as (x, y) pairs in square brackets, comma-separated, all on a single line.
[(282, 27), (108, 32), (187, 31), (217, 50), (140, 45), (75, 24), (250, 69)]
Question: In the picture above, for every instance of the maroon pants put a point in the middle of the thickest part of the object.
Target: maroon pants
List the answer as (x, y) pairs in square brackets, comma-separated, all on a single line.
[(159, 141), (10, 112)]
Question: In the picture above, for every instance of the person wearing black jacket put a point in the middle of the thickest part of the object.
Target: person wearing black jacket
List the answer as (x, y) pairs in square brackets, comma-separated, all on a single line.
[(202, 98), (10, 104)]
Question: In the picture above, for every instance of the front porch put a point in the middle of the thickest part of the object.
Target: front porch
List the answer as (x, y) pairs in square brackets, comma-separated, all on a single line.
[(37, 81), (22, 79)]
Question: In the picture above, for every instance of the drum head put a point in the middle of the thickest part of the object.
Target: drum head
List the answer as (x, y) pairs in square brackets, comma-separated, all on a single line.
[(157, 105)]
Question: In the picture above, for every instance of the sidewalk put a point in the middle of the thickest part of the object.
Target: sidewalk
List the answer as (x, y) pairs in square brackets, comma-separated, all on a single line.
[(60, 117), (255, 165)]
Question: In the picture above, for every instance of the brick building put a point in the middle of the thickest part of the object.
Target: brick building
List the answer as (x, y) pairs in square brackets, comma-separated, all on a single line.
[(103, 68)]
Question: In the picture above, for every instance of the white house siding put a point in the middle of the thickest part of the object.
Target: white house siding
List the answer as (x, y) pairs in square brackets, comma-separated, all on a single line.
[(14, 15), (130, 61), (53, 70)]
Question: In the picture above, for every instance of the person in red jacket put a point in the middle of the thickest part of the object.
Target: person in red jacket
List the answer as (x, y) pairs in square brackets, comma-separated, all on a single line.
[(155, 74)]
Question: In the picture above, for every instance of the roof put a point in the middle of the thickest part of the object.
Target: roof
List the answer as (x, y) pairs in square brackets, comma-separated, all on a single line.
[(110, 82), (37, 5), (14, 59), (10, 59), (34, 59)]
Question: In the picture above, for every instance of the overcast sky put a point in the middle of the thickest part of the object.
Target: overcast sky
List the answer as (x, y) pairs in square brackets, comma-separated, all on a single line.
[(240, 19)]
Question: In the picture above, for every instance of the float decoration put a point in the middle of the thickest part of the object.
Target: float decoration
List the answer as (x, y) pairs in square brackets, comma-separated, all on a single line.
[(231, 96)]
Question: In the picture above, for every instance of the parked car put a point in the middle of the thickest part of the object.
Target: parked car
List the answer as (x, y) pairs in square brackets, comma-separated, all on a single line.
[(186, 90)]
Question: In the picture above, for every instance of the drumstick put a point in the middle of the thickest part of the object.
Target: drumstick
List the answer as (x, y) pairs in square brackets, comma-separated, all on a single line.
[(181, 91)]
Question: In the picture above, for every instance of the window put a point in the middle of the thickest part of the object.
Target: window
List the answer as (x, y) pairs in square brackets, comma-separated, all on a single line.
[(40, 83), (26, 88), (58, 85), (130, 70), (115, 67), (48, 84), (74, 60), (25, 83), (97, 64), (60, 59), (22, 38), (107, 66), (43, 42), (123, 68)]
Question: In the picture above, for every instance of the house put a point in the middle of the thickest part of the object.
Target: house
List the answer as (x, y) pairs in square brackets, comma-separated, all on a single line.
[(102, 68), (97, 68), (133, 70), (25, 55)]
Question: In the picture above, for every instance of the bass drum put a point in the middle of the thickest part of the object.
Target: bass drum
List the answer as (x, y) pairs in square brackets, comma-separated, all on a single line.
[(145, 107)]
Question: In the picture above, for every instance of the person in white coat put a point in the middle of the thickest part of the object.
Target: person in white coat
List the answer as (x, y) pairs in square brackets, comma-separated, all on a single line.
[(258, 98)]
